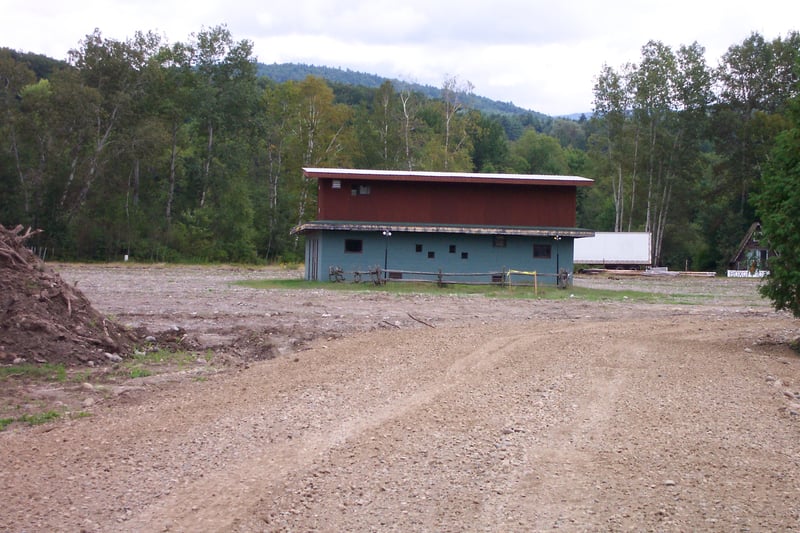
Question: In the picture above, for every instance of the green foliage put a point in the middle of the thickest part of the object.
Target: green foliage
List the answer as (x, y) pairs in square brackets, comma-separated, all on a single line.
[(537, 153), (187, 151), (39, 418), (778, 206), (139, 372), (46, 371), (31, 419), (489, 145), (159, 357), (36, 419)]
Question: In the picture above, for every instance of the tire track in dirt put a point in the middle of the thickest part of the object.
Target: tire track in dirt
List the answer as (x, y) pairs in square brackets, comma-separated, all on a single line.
[(236, 491), (633, 452), (569, 414), (555, 433), (476, 471), (563, 461)]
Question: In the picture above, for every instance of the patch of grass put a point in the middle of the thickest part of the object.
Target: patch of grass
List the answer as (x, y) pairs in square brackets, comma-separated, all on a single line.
[(162, 357), (45, 371), (546, 291), (35, 419), (80, 376), (148, 363), (139, 372), (40, 418)]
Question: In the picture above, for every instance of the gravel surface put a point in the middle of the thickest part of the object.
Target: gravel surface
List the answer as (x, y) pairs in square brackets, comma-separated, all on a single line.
[(427, 413)]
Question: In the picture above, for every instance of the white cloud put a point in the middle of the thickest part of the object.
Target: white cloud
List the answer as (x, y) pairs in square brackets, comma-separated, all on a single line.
[(540, 55)]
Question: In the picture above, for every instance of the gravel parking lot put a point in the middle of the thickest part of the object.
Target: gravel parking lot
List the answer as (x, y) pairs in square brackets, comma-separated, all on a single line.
[(377, 412)]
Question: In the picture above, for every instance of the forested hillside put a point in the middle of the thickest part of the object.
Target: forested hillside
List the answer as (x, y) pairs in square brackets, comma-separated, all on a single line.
[(183, 152), (336, 76)]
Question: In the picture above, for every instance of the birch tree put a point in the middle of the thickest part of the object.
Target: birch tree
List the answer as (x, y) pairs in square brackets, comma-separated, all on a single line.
[(611, 105), (453, 94), (319, 135)]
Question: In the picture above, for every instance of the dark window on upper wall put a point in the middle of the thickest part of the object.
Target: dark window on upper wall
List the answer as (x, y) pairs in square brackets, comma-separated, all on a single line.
[(353, 246), (418, 247), (431, 255), (541, 251), (464, 255), (499, 241), (452, 248), (359, 190)]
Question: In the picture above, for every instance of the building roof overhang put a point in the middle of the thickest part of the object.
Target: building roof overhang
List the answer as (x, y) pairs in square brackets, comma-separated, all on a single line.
[(445, 177), (525, 231)]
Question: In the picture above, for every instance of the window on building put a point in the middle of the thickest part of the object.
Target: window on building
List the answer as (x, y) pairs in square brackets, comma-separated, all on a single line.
[(464, 255), (452, 248), (431, 254), (359, 190), (353, 246), (541, 251), (336, 184), (499, 241), (419, 248)]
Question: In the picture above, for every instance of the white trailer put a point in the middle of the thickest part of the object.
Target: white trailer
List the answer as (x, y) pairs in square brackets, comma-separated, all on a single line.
[(614, 249)]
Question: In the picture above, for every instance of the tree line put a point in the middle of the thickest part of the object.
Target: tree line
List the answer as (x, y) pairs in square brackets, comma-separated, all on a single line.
[(182, 152)]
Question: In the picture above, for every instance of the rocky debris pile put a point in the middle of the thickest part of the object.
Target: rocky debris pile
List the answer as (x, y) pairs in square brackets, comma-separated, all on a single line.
[(45, 320)]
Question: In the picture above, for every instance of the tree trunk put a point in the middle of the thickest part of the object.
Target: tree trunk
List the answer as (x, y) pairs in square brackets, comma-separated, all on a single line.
[(273, 179), (634, 177), (661, 224), (94, 162), (172, 164), (619, 203), (648, 225), (22, 181), (404, 98), (207, 165)]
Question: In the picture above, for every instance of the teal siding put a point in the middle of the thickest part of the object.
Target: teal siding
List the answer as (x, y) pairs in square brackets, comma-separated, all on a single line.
[(400, 252)]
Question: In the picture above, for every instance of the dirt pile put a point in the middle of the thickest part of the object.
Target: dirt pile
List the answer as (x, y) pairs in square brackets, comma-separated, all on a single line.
[(45, 320)]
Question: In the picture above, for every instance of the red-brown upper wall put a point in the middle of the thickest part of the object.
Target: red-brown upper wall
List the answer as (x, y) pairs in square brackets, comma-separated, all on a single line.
[(439, 198)]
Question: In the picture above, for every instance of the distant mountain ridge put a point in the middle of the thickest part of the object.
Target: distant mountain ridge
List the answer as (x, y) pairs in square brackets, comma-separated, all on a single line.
[(282, 72)]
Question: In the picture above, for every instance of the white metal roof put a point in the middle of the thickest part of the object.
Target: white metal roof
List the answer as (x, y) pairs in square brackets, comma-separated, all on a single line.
[(475, 177)]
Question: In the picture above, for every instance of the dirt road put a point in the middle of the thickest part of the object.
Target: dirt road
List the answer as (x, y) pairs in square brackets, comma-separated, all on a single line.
[(503, 416)]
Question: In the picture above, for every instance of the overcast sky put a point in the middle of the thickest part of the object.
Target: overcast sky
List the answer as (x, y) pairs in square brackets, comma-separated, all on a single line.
[(542, 56)]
